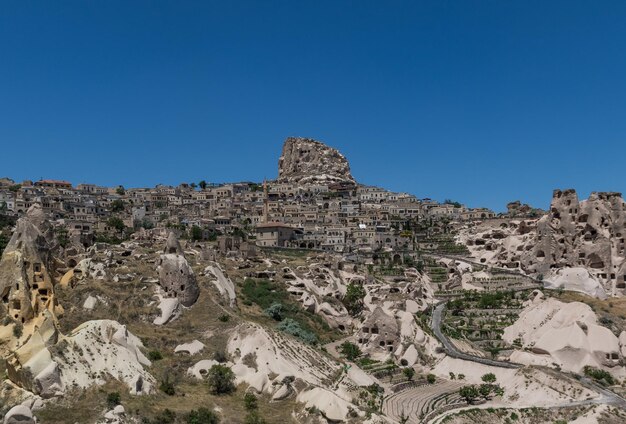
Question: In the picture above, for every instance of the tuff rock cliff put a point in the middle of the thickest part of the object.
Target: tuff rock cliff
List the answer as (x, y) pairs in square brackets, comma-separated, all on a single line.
[(305, 160)]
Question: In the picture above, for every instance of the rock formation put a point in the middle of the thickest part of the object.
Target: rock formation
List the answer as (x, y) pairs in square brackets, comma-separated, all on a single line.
[(26, 270), (175, 275), (587, 234), (567, 334), (304, 160)]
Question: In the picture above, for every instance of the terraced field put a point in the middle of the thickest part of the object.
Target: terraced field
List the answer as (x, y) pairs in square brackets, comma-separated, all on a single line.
[(415, 403)]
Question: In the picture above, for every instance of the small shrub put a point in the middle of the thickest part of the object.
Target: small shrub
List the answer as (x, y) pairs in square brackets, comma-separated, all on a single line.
[(18, 330), (250, 402), (601, 376), (113, 399), (276, 311), (202, 416), (220, 356), (224, 318), (350, 351), (155, 355), (167, 387), (253, 417), (431, 378), (292, 327), (489, 378)]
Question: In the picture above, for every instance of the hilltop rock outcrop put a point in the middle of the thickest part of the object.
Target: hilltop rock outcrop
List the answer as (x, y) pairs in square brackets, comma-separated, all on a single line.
[(305, 160), (176, 277)]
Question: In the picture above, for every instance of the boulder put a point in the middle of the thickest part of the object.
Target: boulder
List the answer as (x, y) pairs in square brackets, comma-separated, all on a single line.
[(19, 414), (190, 348)]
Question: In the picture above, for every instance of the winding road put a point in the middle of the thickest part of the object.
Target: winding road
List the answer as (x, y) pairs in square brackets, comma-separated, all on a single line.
[(606, 396), (452, 351)]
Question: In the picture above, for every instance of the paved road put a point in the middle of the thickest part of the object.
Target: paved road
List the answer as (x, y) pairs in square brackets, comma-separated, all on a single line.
[(452, 351), (606, 396)]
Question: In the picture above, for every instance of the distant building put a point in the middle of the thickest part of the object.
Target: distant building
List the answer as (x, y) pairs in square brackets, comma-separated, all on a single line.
[(53, 184), (274, 234)]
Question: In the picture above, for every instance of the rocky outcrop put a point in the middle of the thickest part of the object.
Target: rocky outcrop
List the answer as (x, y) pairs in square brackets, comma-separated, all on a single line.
[(304, 160), (19, 414), (589, 234), (26, 270), (176, 277), (567, 334)]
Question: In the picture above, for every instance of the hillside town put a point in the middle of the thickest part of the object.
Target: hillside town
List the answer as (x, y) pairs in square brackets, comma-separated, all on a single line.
[(333, 213), (307, 299)]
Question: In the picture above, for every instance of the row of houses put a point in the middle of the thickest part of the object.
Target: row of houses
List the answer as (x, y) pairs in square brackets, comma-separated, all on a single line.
[(336, 217)]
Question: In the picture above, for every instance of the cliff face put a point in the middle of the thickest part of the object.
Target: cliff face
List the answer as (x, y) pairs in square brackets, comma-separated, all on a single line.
[(304, 160), (26, 282), (588, 233), (577, 235)]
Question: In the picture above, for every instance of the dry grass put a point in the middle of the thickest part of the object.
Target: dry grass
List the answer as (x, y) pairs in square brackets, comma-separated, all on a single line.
[(132, 303)]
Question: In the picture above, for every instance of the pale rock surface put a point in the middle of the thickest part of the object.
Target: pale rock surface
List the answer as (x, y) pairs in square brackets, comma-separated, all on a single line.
[(279, 359), (201, 368), (170, 309), (564, 333), (575, 279), (522, 387), (99, 348), (223, 284), (190, 348), (19, 414), (90, 303)]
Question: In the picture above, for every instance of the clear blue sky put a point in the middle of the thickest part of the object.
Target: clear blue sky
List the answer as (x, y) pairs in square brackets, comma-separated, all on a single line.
[(478, 101)]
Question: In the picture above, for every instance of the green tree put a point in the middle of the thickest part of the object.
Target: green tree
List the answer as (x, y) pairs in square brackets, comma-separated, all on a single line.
[(221, 380), (350, 351), (120, 190), (353, 300), (117, 205), (409, 373), (202, 184), (431, 378), (469, 393), (116, 223), (485, 390), (196, 233), (452, 376), (4, 240)]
